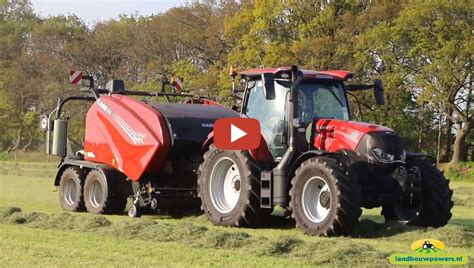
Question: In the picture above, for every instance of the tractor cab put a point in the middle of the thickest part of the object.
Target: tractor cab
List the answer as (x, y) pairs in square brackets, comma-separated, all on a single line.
[(319, 94)]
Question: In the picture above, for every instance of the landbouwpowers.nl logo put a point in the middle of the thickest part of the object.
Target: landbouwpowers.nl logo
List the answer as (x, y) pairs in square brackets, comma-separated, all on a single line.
[(428, 251)]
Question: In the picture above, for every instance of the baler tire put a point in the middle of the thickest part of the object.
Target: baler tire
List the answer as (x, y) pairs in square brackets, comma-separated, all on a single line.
[(436, 201), (72, 177), (246, 211), (325, 174), (102, 194)]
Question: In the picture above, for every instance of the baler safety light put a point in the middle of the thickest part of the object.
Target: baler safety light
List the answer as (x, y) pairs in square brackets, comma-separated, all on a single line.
[(234, 70)]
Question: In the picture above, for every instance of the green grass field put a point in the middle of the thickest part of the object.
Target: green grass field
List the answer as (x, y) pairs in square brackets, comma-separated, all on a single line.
[(35, 231)]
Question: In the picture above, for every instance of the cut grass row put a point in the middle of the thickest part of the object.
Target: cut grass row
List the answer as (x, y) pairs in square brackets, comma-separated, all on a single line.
[(280, 248), (53, 248), (40, 233)]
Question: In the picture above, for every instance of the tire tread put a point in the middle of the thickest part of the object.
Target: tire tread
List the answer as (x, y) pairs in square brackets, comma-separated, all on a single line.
[(348, 193)]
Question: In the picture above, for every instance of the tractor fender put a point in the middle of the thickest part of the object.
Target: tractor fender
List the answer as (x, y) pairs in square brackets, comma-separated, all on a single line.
[(209, 140), (258, 154), (348, 159), (305, 156), (414, 156)]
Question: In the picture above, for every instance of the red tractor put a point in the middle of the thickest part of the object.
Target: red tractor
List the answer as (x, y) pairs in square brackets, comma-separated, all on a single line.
[(316, 163)]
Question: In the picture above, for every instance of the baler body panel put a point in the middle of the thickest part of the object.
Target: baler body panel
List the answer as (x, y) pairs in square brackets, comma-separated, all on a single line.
[(126, 134), (192, 122)]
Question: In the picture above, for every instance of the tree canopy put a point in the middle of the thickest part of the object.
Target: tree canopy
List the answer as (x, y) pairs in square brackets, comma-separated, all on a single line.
[(421, 50)]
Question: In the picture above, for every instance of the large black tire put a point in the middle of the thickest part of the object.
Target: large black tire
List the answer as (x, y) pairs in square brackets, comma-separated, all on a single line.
[(436, 198), (103, 193), (246, 211), (324, 200), (71, 187)]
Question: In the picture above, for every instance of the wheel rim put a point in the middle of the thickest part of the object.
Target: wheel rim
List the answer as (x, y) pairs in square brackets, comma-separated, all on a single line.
[(70, 191), (225, 185), (316, 199), (96, 194), (132, 211)]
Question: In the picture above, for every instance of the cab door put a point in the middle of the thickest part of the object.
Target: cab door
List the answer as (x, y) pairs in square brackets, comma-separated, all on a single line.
[(270, 114)]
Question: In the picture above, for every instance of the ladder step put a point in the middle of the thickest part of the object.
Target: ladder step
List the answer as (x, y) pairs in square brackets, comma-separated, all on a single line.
[(266, 189)]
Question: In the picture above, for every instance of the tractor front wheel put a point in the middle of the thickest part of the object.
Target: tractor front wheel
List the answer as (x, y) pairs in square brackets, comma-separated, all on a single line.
[(324, 200), (229, 188), (436, 199)]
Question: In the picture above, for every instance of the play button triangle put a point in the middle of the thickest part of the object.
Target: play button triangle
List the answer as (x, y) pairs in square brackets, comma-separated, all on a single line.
[(236, 133)]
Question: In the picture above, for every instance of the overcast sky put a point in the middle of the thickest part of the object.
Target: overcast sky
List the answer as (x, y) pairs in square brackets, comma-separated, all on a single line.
[(92, 11)]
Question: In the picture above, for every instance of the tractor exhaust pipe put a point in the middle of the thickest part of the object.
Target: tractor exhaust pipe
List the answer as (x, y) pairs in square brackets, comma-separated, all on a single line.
[(280, 172)]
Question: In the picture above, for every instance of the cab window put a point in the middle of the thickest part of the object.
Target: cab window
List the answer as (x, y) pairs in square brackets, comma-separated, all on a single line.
[(270, 114)]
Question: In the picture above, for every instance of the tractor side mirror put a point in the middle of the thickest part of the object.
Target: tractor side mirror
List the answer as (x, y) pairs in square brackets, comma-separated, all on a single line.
[(378, 92), (268, 81)]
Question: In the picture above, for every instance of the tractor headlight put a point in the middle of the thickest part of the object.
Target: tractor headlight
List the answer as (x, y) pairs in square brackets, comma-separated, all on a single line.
[(382, 156), (388, 158), (404, 156)]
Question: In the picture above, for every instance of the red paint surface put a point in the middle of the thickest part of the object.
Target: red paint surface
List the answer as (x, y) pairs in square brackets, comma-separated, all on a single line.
[(111, 142), (261, 153), (333, 135)]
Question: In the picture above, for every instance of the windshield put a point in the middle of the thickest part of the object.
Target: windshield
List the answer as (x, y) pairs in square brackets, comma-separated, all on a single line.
[(322, 99)]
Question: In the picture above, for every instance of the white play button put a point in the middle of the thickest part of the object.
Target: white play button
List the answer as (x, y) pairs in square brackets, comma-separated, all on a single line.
[(236, 133)]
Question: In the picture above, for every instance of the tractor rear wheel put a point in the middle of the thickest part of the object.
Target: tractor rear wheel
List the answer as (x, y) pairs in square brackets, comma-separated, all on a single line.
[(229, 188), (436, 199), (324, 200), (102, 192), (71, 187)]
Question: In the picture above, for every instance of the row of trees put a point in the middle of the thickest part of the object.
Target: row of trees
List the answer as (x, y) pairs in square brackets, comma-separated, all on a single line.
[(422, 51)]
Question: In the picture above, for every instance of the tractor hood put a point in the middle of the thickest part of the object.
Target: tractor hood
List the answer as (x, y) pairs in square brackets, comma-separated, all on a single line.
[(377, 144), (333, 135)]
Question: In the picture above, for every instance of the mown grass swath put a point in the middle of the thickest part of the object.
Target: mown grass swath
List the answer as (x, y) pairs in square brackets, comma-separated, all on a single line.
[(55, 237)]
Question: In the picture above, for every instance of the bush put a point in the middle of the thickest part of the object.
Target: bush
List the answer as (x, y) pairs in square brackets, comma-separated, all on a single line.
[(462, 171)]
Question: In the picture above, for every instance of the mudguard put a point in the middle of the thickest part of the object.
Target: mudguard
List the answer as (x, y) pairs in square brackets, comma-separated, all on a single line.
[(261, 153)]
